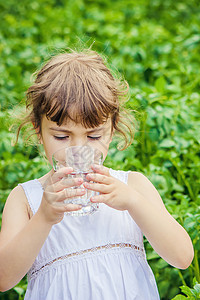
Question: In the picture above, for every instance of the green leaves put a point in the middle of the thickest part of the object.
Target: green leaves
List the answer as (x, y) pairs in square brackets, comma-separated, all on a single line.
[(192, 294), (155, 45), (160, 84)]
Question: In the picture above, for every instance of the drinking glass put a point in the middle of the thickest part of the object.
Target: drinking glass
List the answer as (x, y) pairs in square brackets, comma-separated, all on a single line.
[(80, 158)]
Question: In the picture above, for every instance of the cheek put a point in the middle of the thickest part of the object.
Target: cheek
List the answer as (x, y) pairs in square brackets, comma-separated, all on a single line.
[(104, 154), (103, 147), (49, 147)]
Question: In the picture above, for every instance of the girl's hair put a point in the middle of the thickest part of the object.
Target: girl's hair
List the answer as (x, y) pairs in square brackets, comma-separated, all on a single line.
[(79, 86)]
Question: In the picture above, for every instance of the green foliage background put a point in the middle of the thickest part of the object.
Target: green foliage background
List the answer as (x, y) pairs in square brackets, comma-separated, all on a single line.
[(155, 45)]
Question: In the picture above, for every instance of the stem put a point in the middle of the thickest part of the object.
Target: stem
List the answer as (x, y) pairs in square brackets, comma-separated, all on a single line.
[(144, 141), (183, 179), (196, 265), (181, 276)]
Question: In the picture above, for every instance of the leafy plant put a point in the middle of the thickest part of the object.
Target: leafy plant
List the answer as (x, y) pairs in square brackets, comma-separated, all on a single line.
[(190, 293), (155, 45)]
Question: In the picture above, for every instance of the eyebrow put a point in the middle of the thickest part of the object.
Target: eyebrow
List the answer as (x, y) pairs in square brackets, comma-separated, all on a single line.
[(68, 131)]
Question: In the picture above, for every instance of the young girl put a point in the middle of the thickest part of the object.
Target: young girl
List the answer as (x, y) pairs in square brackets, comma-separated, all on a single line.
[(75, 100)]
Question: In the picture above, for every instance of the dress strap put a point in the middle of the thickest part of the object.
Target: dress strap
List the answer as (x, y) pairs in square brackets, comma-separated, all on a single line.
[(34, 192), (121, 175)]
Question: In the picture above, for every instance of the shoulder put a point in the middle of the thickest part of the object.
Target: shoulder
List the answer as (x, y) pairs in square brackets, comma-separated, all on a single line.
[(17, 199), (143, 185), (135, 178), (17, 202), (139, 181), (18, 194), (15, 214)]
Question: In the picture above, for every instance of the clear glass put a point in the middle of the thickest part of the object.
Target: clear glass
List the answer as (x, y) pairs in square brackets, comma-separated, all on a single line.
[(80, 158)]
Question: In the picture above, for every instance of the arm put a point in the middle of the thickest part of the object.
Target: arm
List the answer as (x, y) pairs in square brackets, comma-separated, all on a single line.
[(168, 238), (145, 206), (21, 238)]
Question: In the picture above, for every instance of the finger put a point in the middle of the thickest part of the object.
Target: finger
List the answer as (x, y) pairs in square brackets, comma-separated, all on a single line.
[(56, 176), (101, 188), (96, 177), (70, 192), (67, 207), (64, 183), (63, 195), (72, 207), (102, 198), (63, 172), (101, 170)]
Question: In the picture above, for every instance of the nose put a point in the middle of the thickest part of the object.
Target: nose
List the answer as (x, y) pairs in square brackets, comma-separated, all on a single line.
[(78, 142)]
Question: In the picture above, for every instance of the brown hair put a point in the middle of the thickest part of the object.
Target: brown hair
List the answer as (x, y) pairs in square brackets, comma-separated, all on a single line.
[(79, 80)]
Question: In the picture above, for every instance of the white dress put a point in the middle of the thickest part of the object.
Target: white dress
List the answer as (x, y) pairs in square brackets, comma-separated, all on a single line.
[(95, 257)]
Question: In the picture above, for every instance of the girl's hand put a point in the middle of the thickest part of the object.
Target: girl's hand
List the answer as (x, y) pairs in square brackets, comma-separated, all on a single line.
[(113, 192), (58, 188)]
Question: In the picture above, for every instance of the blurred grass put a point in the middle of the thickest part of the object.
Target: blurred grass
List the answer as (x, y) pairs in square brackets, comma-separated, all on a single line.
[(155, 45)]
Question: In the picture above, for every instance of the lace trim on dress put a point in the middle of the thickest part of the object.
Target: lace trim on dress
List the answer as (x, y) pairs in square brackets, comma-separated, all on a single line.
[(139, 250)]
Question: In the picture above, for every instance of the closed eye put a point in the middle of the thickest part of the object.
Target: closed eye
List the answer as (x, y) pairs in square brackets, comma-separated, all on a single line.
[(66, 137), (94, 137), (60, 137)]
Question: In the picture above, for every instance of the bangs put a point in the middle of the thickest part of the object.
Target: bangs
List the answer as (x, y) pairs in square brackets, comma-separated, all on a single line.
[(88, 118)]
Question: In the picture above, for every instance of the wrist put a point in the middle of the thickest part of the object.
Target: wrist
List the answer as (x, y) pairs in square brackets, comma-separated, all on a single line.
[(49, 213), (43, 219)]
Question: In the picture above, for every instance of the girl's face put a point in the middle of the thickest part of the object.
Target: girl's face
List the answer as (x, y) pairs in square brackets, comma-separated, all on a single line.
[(54, 137)]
